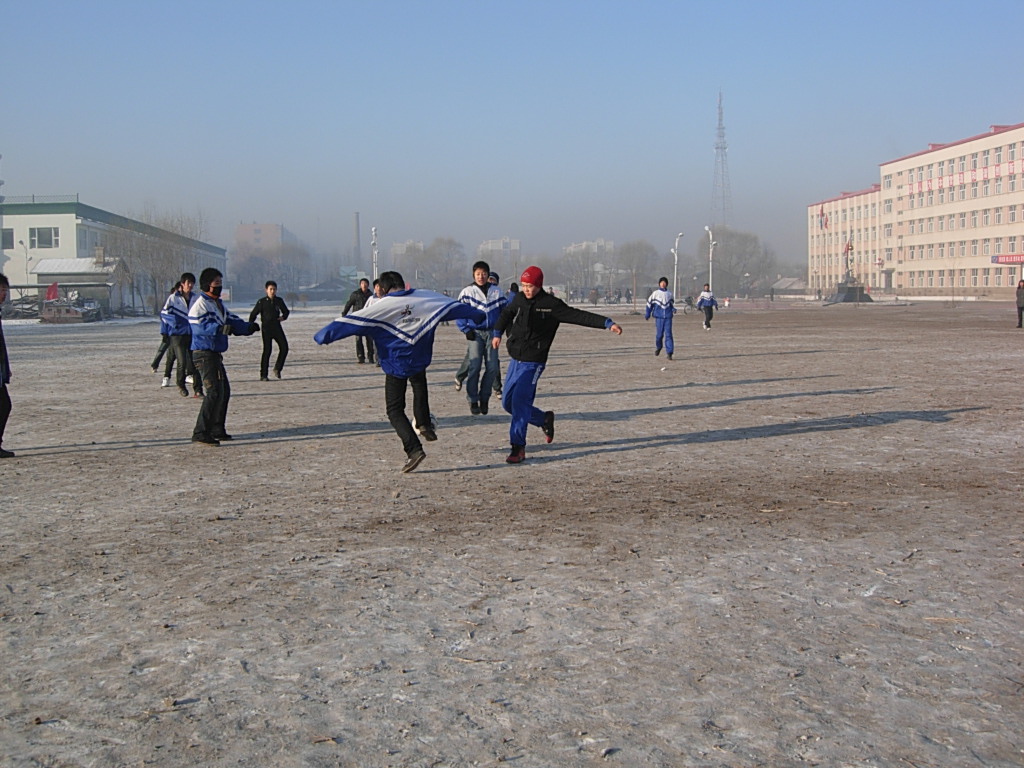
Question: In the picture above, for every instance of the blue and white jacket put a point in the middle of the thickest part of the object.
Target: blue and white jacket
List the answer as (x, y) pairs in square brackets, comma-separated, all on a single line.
[(207, 318), (706, 299), (174, 316), (402, 326), (490, 303), (661, 304)]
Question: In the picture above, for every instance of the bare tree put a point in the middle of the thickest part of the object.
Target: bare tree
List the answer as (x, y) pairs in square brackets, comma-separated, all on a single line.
[(634, 258)]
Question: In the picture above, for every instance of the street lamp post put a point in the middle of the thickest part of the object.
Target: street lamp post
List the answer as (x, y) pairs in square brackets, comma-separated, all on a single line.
[(27, 259), (711, 257), (675, 264)]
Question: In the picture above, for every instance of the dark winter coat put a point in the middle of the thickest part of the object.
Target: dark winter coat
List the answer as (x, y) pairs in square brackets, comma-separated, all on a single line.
[(533, 323), (356, 301)]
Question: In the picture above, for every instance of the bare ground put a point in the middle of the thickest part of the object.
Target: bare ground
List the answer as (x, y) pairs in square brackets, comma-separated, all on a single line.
[(799, 544)]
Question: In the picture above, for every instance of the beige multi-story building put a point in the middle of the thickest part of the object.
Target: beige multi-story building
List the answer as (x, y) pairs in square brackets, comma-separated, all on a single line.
[(944, 222)]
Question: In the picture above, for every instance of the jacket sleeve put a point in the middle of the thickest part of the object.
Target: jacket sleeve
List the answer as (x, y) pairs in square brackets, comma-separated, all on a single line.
[(566, 314), (239, 326), (507, 313), (255, 312), (284, 308), (349, 304), (339, 329), (460, 313)]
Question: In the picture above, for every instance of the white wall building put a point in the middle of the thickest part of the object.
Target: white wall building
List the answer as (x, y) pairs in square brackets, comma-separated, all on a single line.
[(944, 222)]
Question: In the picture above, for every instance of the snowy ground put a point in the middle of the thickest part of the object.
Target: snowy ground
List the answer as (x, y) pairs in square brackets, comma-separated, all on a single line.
[(798, 544)]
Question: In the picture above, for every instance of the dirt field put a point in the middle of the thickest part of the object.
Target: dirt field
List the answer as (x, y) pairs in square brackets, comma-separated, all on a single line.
[(798, 543)]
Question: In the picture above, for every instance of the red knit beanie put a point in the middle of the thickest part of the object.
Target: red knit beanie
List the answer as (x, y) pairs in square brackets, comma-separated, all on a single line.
[(533, 276)]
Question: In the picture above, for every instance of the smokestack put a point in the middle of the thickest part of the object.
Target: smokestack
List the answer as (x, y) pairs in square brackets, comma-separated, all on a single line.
[(357, 251)]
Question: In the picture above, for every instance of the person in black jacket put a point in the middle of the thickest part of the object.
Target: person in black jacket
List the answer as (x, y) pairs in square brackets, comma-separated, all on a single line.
[(272, 311), (5, 372), (532, 319), (356, 301)]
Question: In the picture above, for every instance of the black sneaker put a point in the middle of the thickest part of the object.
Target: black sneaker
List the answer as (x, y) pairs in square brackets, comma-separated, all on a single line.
[(548, 428), (483, 407), (414, 460), (183, 392), (264, 378), (277, 373), (224, 436), (6, 454), (362, 361), (517, 456), (657, 351), (458, 384), (474, 408), (669, 355), (205, 440)]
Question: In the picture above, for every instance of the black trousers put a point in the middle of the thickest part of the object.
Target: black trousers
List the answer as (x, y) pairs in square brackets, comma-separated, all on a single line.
[(5, 410), (709, 312), (394, 401), (271, 334), (214, 410), (165, 342), (181, 348), (360, 354)]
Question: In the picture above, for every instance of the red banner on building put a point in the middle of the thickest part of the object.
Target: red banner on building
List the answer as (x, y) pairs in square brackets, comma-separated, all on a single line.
[(1008, 258)]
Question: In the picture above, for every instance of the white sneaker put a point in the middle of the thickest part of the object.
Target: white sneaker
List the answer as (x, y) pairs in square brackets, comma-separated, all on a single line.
[(166, 382), (188, 379)]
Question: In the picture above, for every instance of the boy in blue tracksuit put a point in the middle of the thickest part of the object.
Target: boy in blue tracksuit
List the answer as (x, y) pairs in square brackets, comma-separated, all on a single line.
[(179, 332), (487, 297), (532, 319), (211, 325), (402, 325), (661, 305)]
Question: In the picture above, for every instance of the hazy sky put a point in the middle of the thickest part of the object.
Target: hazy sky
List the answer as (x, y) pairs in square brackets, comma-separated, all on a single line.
[(551, 121)]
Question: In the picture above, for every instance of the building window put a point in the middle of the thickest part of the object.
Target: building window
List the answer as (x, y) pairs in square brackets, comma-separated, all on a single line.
[(942, 278), (999, 155), (942, 195), (942, 250), (974, 278), (8, 239), (963, 163), (1013, 183), (999, 185), (984, 158), (910, 275), (974, 190), (974, 247), (44, 237), (963, 249), (952, 221), (963, 278), (1013, 245), (1012, 152), (963, 191), (942, 223), (999, 245), (974, 161), (931, 278), (986, 245), (999, 277)]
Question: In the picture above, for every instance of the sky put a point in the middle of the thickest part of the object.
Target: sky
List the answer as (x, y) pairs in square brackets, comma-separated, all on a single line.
[(552, 122)]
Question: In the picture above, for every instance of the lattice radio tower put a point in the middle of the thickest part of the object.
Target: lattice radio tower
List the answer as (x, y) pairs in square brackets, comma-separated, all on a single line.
[(721, 193)]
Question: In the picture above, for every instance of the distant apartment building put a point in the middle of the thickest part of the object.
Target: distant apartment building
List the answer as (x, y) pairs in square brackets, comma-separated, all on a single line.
[(261, 236), (505, 253), (410, 248), (946, 221)]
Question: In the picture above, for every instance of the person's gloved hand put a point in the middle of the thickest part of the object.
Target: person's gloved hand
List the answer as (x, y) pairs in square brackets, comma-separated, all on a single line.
[(471, 335), (227, 329), (253, 327)]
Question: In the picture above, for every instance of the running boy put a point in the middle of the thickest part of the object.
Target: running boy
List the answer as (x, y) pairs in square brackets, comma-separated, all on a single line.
[(402, 325), (487, 297), (532, 319), (662, 306)]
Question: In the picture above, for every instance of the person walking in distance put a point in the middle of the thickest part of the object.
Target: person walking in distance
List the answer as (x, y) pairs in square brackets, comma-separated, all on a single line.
[(661, 305), (532, 320), (179, 331), (271, 311), (356, 301), (403, 323), (1020, 302), (5, 371), (211, 325), (706, 303)]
